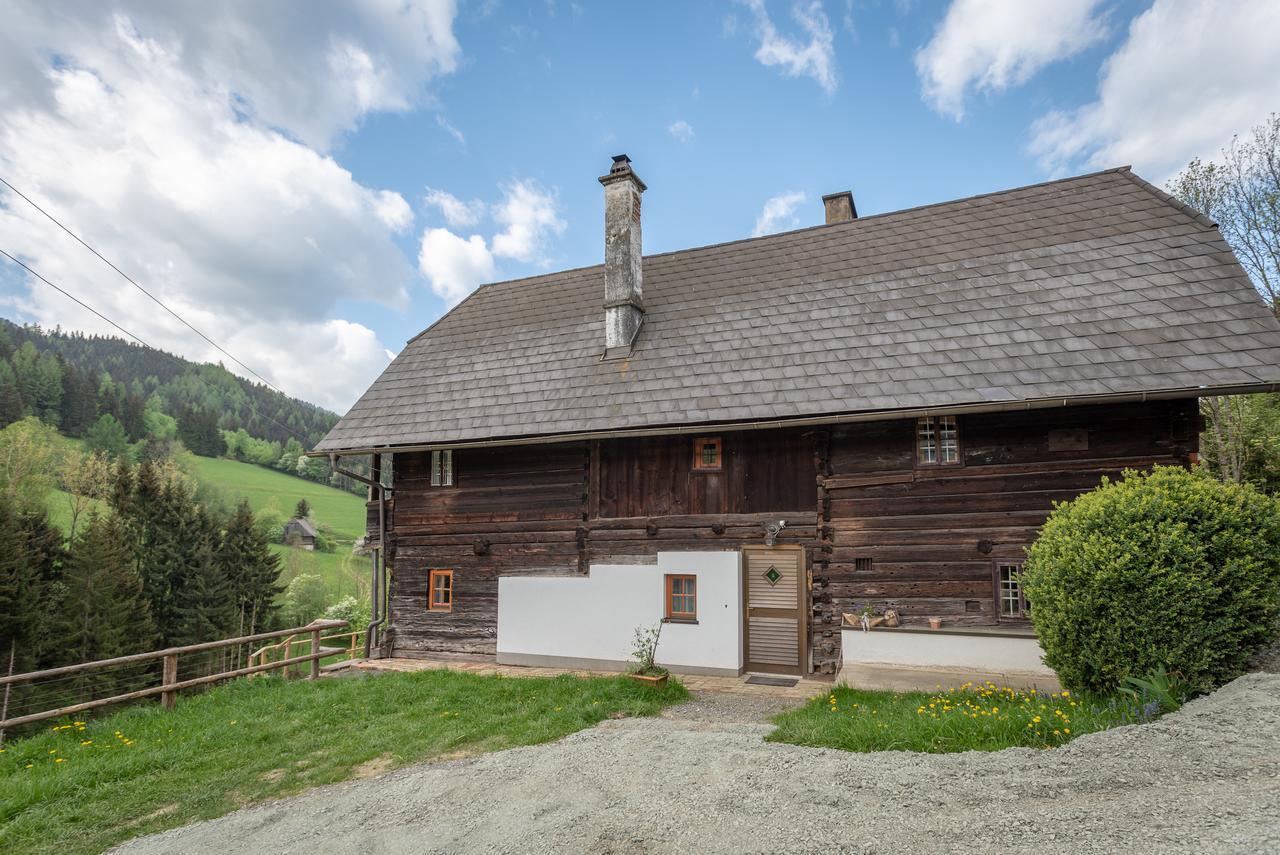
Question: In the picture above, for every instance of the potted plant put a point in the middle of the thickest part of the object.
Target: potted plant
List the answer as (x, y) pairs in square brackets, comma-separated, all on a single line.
[(646, 647)]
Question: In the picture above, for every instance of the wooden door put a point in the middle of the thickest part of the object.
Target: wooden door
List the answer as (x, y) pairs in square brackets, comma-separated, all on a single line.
[(774, 581)]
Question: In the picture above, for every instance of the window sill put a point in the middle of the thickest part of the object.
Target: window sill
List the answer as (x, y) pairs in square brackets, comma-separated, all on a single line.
[(679, 620)]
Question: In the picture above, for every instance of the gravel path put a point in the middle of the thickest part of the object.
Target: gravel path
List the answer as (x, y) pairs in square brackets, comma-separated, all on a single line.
[(1205, 779)]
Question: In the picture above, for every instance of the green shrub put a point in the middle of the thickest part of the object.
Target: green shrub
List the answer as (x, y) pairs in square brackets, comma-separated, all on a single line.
[(1168, 569)]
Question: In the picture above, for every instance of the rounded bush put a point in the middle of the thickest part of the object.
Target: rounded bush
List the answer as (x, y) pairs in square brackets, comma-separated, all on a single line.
[(1165, 568)]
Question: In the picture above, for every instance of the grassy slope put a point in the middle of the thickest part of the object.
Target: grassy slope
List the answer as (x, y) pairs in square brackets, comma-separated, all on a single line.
[(341, 511), (144, 770), (343, 573)]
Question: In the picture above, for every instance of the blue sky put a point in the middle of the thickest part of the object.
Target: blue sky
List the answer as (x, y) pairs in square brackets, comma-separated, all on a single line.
[(312, 184)]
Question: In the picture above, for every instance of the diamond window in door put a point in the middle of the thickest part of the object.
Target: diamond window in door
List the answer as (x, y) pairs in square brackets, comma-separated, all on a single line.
[(772, 575)]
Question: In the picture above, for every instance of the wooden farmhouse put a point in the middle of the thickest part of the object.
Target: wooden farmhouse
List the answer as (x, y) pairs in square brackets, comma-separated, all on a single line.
[(748, 441), (300, 532)]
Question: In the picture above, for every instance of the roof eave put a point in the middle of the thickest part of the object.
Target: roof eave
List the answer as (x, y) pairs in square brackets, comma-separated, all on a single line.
[(820, 420)]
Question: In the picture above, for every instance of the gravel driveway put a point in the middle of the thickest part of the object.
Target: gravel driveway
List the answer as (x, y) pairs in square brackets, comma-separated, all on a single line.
[(1205, 779)]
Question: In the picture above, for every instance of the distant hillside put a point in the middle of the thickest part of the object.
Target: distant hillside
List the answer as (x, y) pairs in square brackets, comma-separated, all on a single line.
[(173, 385)]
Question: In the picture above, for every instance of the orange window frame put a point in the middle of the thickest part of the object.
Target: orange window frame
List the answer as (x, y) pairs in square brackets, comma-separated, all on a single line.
[(445, 604), (699, 452), (688, 594)]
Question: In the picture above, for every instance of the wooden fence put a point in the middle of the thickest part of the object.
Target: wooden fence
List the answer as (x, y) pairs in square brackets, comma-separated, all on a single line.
[(169, 684)]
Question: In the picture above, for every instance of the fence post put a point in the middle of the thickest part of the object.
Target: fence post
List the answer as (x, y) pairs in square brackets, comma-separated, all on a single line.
[(169, 678), (315, 654), (288, 654)]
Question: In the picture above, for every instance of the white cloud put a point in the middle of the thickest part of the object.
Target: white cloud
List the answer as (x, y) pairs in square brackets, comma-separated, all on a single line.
[(1190, 75), (529, 214), (457, 213), (451, 130), (454, 266), (394, 212), (181, 141), (812, 55), (990, 45), (779, 213), (681, 130)]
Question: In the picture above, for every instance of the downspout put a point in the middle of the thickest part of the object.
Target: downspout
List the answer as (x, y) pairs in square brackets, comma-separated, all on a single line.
[(377, 584)]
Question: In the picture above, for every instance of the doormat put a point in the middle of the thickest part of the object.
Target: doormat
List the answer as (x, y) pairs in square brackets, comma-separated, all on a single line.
[(756, 680)]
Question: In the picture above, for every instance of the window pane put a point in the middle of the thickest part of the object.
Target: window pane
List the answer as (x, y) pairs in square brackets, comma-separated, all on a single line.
[(948, 438), (926, 441), (446, 468), (1010, 591)]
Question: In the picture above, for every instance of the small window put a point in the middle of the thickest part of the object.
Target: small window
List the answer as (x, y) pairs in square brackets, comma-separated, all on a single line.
[(862, 565), (440, 584), (682, 597), (937, 441), (706, 453), (1009, 597), (442, 468)]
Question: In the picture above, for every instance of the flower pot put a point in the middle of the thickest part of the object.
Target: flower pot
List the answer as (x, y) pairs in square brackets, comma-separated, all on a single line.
[(935, 623), (655, 680)]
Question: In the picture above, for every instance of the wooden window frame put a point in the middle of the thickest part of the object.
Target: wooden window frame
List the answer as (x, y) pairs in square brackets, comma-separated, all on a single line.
[(432, 605), (1023, 614), (442, 460), (669, 611), (937, 463), (703, 442)]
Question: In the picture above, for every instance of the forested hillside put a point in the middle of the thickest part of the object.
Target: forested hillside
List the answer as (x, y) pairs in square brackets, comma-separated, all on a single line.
[(68, 379)]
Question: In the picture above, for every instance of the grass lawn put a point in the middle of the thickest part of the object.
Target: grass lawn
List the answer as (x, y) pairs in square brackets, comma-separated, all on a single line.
[(342, 511), (973, 718), (144, 770)]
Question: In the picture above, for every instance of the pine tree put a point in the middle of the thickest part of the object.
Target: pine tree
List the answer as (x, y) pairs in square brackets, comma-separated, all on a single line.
[(302, 510), (108, 436), (102, 612), (79, 400), (203, 600), (11, 406), (244, 558)]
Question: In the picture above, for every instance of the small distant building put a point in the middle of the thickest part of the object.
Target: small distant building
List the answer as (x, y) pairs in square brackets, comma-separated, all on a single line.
[(300, 532)]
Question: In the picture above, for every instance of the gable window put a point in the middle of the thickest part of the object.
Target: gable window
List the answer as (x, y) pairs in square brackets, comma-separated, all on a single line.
[(1010, 601), (937, 441), (706, 453), (440, 590), (442, 468), (682, 597)]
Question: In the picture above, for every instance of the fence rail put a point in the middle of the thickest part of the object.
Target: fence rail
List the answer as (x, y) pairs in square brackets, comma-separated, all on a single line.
[(350, 649), (169, 684)]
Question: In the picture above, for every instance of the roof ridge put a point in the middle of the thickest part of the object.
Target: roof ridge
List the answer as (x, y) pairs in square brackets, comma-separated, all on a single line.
[(1199, 216), (522, 280)]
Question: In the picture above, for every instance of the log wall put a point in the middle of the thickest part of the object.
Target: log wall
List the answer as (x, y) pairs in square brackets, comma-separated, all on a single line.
[(849, 492), (933, 535)]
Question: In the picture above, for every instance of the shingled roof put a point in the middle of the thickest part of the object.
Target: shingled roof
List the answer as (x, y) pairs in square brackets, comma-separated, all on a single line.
[(1088, 288)]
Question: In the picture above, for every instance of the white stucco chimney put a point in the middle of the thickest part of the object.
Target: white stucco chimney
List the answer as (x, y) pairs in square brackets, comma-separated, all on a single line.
[(623, 273)]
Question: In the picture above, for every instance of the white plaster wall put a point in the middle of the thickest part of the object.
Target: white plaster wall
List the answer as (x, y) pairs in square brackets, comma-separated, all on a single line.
[(937, 649), (593, 618)]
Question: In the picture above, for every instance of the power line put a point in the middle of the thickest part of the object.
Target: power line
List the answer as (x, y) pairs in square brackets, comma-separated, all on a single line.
[(85, 305), (131, 281), (71, 296)]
